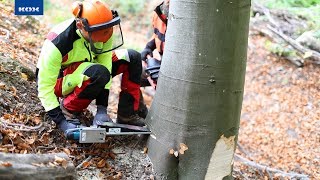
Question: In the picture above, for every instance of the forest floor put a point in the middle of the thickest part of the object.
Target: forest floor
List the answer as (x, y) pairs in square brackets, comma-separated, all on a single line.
[(279, 125)]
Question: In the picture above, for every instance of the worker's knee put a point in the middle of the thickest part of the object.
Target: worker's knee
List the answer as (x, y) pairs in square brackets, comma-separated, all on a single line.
[(98, 73), (135, 66), (135, 56)]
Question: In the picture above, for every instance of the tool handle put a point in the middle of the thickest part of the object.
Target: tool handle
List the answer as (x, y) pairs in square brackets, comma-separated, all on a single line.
[(73, 135)]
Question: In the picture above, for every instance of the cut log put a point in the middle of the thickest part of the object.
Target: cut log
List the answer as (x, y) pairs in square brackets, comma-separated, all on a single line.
[(36, 166)]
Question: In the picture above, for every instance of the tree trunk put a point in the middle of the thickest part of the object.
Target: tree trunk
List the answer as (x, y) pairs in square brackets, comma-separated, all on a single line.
[(200, 89), (36, 166)]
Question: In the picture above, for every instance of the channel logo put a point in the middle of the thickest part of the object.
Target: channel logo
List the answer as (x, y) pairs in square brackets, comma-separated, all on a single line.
[(28, 7)]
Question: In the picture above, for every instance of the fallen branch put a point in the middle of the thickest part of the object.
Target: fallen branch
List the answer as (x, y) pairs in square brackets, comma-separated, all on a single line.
[(267, 13), (295, 59), (311, 54), (36, 166), (268, 169), (241, 149), (22, 127), (308, 39)]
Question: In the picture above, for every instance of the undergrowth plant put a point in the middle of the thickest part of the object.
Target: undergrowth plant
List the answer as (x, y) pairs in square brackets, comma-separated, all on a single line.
[(309, 9), (126, 7), (291, 3)]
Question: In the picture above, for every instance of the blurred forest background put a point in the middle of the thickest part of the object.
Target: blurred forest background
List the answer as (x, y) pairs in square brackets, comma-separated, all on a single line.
[(135, 16)]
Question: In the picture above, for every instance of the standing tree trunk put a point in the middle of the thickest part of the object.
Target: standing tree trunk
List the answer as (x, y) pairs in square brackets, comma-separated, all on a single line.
[(200, 89)]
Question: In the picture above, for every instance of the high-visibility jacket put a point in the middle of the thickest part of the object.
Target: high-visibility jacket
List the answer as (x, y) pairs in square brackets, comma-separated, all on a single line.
[(159, 23), (65, 45)]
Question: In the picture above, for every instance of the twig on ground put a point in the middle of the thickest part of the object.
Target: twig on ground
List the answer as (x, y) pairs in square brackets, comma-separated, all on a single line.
[(268, 169), (22, 127), (86, 160), (241, 149), (45, 147)]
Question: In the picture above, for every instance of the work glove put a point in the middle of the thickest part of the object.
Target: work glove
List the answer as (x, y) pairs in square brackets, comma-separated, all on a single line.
[(145, 52), (62, 123), (153, 68), (101, 116)]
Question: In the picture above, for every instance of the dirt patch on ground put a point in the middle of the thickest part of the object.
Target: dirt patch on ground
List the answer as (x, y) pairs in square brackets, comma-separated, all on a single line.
[(17, 93), (279, 124)]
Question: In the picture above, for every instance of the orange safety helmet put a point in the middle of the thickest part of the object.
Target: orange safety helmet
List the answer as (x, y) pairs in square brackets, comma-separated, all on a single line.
[(98, 20)]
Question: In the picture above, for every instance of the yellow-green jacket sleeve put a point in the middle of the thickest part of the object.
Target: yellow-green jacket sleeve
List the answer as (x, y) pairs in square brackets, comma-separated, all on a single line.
[(49, 65)]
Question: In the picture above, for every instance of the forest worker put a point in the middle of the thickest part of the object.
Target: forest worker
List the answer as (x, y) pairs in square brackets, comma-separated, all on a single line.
[(77, 62), (157, 42)]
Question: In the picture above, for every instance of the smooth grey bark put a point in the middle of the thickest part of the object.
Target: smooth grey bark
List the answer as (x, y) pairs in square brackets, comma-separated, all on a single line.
[(200, 89)]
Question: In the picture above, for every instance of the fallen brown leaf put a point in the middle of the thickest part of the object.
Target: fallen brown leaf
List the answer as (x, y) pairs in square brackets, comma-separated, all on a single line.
[(101, 163), (6, 164), (64, 164), (23, 146), (145, 150), (86, 164), (51, 164), (58, 159), (14, 91), (2, 85), (45, 138), (31, 140), (24, 151), (112, 155), (119, 175), (7, 116), (36, 120), (17, 139)]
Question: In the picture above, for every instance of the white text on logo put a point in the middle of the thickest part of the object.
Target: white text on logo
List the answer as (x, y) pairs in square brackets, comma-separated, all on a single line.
[(28, 9)]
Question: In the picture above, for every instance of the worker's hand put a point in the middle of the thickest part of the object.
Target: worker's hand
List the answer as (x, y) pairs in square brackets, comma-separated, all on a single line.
[(153, 68), (145, 53), (57, 116)]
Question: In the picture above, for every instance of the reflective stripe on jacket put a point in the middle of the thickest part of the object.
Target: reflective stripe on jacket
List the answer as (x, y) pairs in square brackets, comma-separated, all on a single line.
[(65, 45)]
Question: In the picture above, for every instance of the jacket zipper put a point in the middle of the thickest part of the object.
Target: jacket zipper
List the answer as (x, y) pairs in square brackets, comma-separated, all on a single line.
[(87, 47)]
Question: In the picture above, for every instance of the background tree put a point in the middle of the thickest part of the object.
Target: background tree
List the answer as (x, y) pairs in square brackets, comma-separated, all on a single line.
[(198, 101)]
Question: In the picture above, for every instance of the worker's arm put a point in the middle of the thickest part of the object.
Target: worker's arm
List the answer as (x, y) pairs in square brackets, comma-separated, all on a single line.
[(49, 65)]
